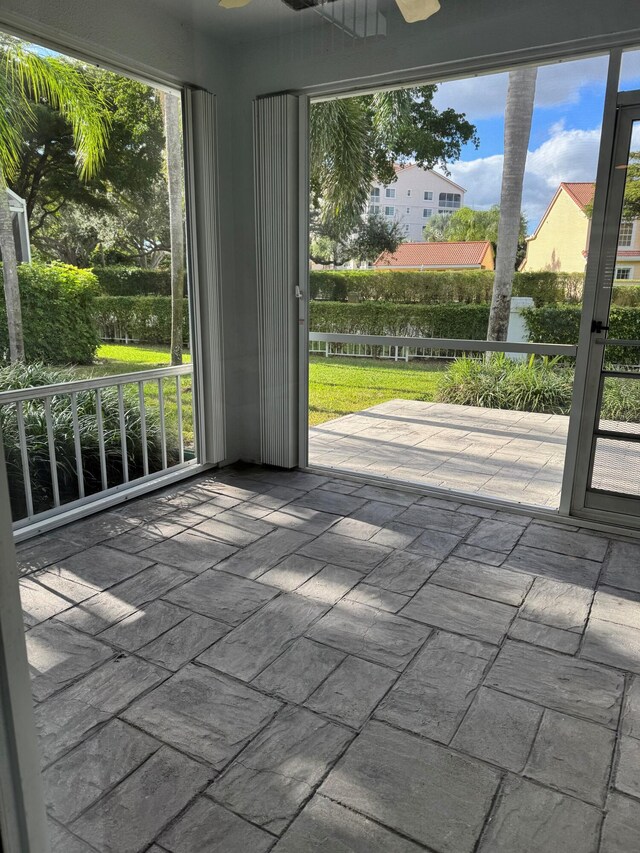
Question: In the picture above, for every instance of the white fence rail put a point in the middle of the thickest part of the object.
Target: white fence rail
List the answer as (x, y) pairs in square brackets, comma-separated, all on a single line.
[(71, 443)]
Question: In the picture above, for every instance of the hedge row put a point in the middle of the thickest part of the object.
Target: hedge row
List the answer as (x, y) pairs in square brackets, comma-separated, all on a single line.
[(57, 304), (133, 281), (138, 318), (431, 286)]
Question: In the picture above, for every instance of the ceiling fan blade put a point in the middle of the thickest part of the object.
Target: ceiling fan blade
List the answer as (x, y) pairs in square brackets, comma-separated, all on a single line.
[(418, 10), (233, 4)]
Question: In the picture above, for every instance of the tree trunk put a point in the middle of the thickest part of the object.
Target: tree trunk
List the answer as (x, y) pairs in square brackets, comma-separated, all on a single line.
[(10, 278), (517, 129), (175, 182)]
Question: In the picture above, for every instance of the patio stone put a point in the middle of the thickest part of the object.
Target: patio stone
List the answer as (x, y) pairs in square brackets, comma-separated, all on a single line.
[(631, 708), (556, 681), (627, 778), (371, 634), (496, 584), (326, 827), (495, 534), (80, 778), (190, 550), (479, 555), (451, 610), (499, 729), (330, 584), (116, 683), (621, 568), (621, 828), (434, 544), (367, 521), (292, 572), (61, 841), (91, 531), (558, 604), (332, 502), (264, 554), (98, 613), (62, 722), (138, 538), (208, 828), (352, 691), (184, 642), (616, 605), (203, 714), (342, 551), (281, 768), (374, 596), (575, 544), (403, 572), (144, 625), (544, 635), (101, 567), (432, 518), (303, 519), (577, 570), (233, 528), (218, 595), (396, 535), (443, 807), (433, 695), (389, 495), (58, 654), (277, 497), (299, 670), (249, 648), (612, 644), (129, 817), (531, 819), (572, 755), (43, 551), (44, 594)]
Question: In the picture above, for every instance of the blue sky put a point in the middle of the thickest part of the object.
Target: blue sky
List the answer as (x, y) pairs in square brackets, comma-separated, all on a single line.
[(565, 132)]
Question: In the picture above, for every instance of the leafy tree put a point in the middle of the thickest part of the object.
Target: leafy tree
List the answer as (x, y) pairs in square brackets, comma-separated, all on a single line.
[(467, 224), (356, 140), (374, 236), (631, 208)]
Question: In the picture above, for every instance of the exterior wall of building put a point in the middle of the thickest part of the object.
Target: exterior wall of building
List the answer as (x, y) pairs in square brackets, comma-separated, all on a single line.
[(561, 239), (408, 201)]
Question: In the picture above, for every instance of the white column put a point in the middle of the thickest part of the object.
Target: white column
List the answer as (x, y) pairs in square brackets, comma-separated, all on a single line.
[(518, 331)]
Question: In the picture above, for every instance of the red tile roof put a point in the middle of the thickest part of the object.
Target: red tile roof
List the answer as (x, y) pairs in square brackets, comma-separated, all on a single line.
[(581, 193), (436, 255)]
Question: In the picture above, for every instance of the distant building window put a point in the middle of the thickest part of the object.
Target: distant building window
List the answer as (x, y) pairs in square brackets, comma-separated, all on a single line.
[(408, 210), (375, 194), (445, 211), (390, 192), (450, 200), (389, 211), (623, 273), (408, 193), (625, 235), (428, 196), (427, 212), (373, 209)]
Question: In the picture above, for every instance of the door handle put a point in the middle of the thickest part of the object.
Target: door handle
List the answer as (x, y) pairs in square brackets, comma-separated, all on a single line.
[(597, 327)]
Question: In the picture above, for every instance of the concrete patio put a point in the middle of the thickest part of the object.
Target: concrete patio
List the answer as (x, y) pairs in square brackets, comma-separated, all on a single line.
[(263, 661), (516, 456)]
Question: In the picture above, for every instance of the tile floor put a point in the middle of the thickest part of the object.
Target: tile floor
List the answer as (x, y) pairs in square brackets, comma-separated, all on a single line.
[(266, 661)]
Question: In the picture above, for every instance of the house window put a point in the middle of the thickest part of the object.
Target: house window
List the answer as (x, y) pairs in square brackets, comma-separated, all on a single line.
[(427, 212), (375, 194), (450, 200), (374, 209), (389, 211), (428, 196), (625, 235), (390, 192), (623, 273), (408, 210)]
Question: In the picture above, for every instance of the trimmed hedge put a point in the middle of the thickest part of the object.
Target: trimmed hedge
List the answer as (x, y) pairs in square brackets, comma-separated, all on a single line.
[(434, 287), (386, 318), (146, 319), (57, 314), (133, 281)]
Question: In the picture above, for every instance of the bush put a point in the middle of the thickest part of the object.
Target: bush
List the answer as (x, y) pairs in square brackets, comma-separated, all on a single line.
[(23, 376), (626, 295), (436, 287), (384, 318), (144, 319), (133, 281), (57, 314)]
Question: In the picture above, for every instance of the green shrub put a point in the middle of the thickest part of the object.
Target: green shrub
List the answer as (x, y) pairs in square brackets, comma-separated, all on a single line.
[(24, 376), (57, 314), (133, 281), (146, 319), (626, 295)]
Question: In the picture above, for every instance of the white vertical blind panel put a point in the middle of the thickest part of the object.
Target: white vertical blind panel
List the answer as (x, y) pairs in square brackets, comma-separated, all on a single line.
[(276, 202)]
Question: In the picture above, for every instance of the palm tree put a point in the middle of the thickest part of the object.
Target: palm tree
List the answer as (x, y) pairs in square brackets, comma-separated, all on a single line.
[(517, 129), (26, 78)]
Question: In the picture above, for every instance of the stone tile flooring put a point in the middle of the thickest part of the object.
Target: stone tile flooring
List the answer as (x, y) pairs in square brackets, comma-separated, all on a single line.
[(516, 456), (267, 661)]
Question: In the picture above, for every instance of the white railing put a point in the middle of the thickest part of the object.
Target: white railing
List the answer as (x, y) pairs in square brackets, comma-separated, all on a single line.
[(71, 443)]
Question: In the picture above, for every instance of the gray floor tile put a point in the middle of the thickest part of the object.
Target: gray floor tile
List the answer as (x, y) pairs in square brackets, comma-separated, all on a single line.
[(101, 567), (627, 777), (342, 551), (330, 584), (572, 755), (495, 534), (443, 807), (304, 519), (403, 572), (264, 554), (96, 529), (575, 544), (559, 682), (327, 827), (499, 729), (184, 642), (62, 841), (396, 535), (621, 828), (578, 570), (221, 596), (130, 817), (281, 768), (206, 827), (233, 528), (531, 819), (497, 584), (390, 495), (292, 572), (435, 544), (190, 551), (332, 502), (369, 633), (43, 551), (616, 605), (375, 596), (544, 635), (299, 670), (116, 683), (433, 695), (62, 722), (432, 518), (621, 567), (44, 594), (557, 603), (145, 625), (203, 714), (631, 708), (138, 538), (352, 691), (480, 555), (612, 644)]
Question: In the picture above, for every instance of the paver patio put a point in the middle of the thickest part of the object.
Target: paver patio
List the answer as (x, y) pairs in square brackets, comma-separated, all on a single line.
[(267, 661), (516, 456)]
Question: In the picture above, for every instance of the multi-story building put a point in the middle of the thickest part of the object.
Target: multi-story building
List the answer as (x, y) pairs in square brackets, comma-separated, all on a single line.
[(415, 196)]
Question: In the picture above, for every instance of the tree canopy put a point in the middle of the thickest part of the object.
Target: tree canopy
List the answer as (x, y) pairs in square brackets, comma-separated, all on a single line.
[(631, 208), (467, 224)]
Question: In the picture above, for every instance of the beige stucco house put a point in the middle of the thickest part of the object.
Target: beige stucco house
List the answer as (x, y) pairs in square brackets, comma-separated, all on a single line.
[(560, 241)]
